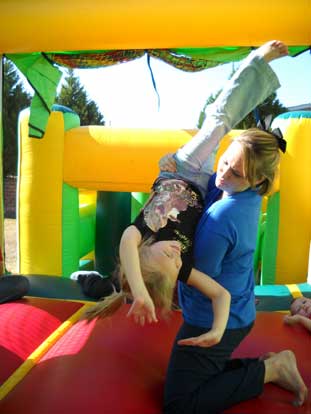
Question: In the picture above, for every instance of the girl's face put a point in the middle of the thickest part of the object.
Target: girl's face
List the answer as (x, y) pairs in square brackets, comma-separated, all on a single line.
[(301, 306), (230, 176), (165, 256)]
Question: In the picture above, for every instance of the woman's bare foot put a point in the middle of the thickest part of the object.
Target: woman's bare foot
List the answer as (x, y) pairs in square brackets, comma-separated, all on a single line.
[(281, 369), (272, 50)]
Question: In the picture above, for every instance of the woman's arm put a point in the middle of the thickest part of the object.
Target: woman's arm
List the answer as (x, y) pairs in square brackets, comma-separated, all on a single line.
[(143, 307), (220, 298)]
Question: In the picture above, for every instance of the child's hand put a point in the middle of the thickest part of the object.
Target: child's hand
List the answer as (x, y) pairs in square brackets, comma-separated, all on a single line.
[(298, 319), (291, 319), (167, 163), (142, 310), (208, 339)]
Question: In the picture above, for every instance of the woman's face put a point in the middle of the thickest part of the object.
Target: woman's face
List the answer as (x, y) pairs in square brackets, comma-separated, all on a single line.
[(301, 306), (230, 176)]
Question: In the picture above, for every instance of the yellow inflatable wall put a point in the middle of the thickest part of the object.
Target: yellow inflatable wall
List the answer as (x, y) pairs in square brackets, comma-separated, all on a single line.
[(39, 210), (295, 199)]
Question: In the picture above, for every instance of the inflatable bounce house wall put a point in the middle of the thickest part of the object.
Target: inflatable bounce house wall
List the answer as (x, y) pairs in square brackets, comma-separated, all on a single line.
[(78, 187), (287, 234), (94, 158)]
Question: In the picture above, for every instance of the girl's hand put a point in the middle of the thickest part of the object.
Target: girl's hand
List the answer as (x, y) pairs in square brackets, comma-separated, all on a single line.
[(206, 340), (142, 310), (167, 163)]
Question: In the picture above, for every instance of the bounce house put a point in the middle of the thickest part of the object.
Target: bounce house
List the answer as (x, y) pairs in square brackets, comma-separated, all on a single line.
[(79, 187)]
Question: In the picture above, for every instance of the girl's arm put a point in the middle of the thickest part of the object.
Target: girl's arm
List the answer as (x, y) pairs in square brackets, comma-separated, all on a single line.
[(298, 319), (220, 298), (142, 308)]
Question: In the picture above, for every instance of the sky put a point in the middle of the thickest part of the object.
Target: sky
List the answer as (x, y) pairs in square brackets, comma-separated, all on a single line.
[(125, 95)]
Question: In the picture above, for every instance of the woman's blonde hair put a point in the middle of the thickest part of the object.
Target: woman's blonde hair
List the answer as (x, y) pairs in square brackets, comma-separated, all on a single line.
[(261, 158), (159, 286)]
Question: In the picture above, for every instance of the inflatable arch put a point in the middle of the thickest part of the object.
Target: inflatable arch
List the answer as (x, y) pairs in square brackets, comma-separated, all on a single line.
[(56, 230)]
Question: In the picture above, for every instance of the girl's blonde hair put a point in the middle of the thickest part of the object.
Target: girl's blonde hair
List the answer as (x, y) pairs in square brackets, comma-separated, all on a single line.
[(110, 304), (159, 286), (261, 158)]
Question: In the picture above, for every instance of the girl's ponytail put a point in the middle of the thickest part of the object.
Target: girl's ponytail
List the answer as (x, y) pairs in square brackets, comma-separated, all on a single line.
[(110, 304), (105, 307)]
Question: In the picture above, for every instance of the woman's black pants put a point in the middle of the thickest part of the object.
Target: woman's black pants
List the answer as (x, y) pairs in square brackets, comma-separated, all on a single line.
[(205, 380)]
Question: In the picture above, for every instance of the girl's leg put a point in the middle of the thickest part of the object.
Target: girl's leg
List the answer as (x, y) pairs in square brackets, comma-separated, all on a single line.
[(253, 82), (95, 286)]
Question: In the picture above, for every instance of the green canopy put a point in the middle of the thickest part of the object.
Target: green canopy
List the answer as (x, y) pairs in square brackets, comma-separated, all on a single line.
[(43, 74)]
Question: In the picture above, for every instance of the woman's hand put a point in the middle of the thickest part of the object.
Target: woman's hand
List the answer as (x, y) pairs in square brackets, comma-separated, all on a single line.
[(167, 163), (206, 340), (142, 310)]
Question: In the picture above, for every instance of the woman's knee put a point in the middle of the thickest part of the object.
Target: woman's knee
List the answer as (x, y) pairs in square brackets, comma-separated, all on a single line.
[(182, 405)]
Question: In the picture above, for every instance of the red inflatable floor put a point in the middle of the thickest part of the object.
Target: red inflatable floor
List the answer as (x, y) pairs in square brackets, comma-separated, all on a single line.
[(116, 367)]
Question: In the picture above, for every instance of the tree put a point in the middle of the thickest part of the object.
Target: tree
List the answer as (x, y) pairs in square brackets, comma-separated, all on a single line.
[(271, 106), (15, 98), (212, 98), (74, 96)]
